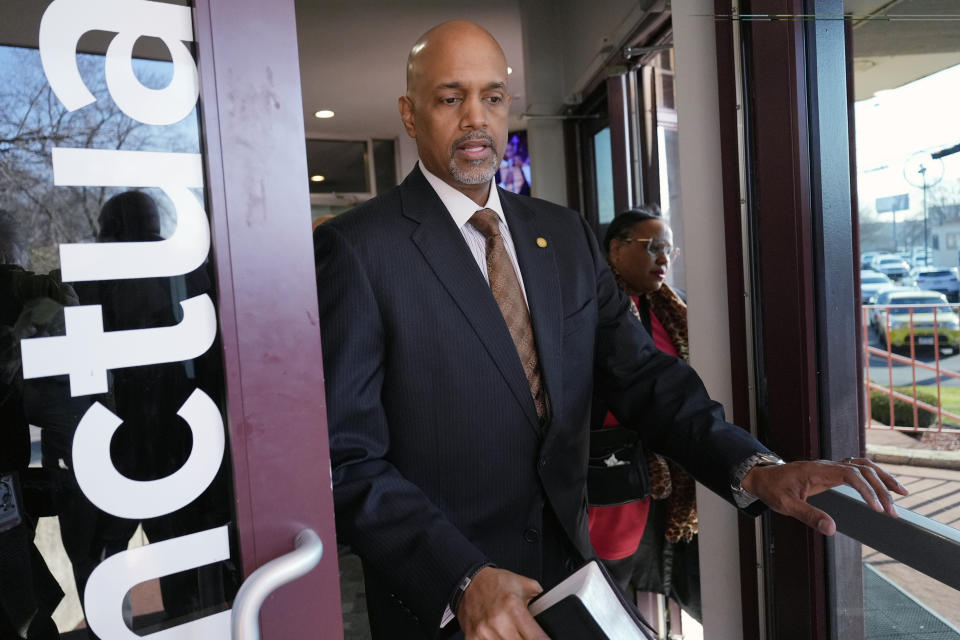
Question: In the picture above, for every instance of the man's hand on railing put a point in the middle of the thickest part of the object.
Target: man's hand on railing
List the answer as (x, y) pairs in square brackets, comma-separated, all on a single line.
[(785, 488)]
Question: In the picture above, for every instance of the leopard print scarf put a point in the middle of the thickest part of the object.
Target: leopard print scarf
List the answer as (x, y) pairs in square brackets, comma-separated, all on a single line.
[(682, 521), (668, 481)]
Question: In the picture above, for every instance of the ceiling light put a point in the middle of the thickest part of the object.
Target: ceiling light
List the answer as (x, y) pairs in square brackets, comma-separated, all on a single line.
[(509, 70), (324, 113), (317, 178)]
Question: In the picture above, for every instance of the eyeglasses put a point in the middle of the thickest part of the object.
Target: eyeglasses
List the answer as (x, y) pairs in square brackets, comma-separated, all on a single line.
[(656, 247)]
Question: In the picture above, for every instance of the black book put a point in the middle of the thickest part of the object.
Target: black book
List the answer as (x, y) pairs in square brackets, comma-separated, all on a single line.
[(587, 606)]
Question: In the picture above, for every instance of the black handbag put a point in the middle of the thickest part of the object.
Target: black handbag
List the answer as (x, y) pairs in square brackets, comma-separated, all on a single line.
[(616, 469)]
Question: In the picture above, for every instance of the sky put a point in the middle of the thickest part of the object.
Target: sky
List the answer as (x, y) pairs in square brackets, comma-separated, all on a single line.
[(922, 116)]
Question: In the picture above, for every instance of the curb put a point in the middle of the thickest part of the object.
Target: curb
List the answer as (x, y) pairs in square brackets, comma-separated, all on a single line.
[(915, 457)]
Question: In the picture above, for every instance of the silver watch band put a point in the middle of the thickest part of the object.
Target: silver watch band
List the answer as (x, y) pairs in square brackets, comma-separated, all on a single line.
[(741, 496)]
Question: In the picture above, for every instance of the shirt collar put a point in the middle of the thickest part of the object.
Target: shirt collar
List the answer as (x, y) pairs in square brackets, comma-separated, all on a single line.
[(460, 207)]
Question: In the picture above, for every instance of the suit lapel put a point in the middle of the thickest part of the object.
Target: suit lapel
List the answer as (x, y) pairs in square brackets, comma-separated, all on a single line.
[(443, 247), (541, 281)]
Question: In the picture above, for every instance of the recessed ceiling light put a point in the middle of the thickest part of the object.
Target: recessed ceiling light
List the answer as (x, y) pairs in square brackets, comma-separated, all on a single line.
[(509, 70), (324, 113), (317, 178)]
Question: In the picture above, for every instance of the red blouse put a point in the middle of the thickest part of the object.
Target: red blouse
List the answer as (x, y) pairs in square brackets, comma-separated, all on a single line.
[(615, 532)]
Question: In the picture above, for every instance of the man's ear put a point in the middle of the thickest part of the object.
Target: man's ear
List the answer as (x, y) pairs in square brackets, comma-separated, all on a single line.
[(405, 105)]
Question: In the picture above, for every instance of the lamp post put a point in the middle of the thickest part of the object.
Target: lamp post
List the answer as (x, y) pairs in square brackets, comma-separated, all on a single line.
[(921, 164), (923, 177)]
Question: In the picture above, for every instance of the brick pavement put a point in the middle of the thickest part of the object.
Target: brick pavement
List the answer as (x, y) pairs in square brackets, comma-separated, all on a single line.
[(934, 493)]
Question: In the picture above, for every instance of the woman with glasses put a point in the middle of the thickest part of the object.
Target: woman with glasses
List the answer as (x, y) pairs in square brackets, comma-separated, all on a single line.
[(640, 249)]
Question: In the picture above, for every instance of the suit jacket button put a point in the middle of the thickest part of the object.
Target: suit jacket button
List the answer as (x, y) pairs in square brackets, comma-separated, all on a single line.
[(531, 535), (543, 462)]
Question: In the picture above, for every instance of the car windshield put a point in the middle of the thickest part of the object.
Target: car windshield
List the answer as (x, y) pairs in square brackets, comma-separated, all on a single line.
[(891, 261), (935, 274), (916, 301), (874, 279)]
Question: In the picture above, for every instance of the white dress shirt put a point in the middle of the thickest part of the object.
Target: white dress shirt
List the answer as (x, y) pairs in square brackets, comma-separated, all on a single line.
[(461, 209)]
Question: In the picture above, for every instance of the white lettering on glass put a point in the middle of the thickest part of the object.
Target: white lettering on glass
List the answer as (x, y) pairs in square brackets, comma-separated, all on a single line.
[(175, 173), (87, 352), (65, 21), (115, 576), (114, 493)]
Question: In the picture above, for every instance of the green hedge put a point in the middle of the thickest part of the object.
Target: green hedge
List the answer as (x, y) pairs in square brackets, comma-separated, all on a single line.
[(902, 410)]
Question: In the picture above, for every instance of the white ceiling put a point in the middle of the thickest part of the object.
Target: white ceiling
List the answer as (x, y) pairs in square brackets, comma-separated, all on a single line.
[(889, 53), (353, 55)]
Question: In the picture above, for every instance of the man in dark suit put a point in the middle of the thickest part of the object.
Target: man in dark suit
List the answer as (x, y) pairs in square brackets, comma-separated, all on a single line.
[(464, 328)]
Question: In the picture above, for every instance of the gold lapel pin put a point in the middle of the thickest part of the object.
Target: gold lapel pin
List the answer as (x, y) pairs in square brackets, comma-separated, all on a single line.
[(542, 243)]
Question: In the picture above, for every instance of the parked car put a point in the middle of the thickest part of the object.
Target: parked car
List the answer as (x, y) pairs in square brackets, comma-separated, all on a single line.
[(870, 283), (946, 281), (923, 314), (878, 314), (892, 266), (866, 259)]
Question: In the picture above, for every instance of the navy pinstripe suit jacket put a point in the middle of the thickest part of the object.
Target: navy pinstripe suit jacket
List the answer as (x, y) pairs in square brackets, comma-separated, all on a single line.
[(438, 459)]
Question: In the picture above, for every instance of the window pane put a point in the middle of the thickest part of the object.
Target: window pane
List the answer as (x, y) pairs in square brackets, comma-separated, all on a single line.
[(896, 596), (338, 166), (111, 380), (603, 174), (908, 183), (669, 154)]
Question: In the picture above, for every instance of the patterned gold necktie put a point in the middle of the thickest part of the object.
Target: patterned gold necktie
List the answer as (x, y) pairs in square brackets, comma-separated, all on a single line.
[(509, 296)]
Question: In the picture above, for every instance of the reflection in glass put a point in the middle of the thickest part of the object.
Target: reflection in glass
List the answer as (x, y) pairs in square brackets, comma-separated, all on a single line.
[(52, 537)]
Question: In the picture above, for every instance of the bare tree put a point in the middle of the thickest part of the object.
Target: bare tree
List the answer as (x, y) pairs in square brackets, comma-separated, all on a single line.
[(33, 122)]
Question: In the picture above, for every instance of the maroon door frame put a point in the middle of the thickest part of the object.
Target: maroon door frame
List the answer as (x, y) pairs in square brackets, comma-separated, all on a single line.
[(802, 243), (733, 234), (257, 191), (785, 327)]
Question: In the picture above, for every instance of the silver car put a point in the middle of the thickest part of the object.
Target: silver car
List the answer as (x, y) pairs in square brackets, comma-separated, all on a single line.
[(892, 266), (870, 283), (946, 281)]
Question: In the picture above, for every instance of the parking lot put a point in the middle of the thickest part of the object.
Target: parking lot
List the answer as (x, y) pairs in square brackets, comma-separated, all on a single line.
[(881, 369), (884, 371)]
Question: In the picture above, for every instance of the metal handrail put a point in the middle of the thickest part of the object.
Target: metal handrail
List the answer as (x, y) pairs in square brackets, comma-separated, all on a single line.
[(926, 545), (245, 619)]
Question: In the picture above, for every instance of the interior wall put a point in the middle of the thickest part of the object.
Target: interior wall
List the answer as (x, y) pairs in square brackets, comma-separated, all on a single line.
[(589, 35), (566, 44), (545, 62), (701, 194)]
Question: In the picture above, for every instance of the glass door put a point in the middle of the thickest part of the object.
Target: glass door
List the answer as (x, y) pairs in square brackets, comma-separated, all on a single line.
[(161, 404)]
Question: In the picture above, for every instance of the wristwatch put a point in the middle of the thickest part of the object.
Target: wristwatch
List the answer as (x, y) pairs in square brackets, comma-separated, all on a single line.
[(462, 587), (741, 496)]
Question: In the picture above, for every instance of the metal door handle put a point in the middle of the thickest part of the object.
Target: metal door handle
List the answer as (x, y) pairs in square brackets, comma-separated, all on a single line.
[(308, 549)]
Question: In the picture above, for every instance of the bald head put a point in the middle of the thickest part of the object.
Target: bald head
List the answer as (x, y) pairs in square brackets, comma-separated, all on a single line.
[(456, 105), (438, 42)]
